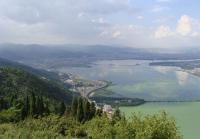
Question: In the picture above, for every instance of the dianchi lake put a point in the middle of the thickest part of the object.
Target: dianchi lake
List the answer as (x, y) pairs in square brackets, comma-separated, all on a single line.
[(165, 88)]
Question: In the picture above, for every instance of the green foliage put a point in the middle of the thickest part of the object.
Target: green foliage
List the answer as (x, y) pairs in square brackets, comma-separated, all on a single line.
[(29, 95), (159, 126), (80, 112), (82, 109), (16, 84), (10, 115), (61, 108), (33, 104), (86, 110), (74, 106), (3, 104), (92, 110)]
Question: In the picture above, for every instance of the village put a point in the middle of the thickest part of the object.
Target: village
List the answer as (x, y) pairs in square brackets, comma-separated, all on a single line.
[(86, 89)]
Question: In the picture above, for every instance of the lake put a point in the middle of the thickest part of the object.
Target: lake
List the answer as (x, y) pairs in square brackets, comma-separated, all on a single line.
[(135, 78), (186, 115)]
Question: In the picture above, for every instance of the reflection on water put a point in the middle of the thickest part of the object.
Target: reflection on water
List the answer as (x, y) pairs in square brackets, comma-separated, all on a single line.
[(164, 69), (133, 78), (182, 77)]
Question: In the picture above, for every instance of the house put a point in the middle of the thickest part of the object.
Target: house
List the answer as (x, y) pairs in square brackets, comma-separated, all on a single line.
[(108, 110)]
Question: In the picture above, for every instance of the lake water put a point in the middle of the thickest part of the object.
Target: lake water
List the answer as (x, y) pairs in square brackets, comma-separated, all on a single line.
[(186, 115), (132, 78)]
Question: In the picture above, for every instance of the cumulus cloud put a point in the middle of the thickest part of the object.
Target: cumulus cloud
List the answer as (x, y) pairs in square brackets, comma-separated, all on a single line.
[(116, 34), (184, 25), (162, 32)]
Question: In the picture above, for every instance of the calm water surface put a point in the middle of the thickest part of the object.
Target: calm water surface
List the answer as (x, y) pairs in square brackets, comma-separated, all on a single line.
[(133, 78)]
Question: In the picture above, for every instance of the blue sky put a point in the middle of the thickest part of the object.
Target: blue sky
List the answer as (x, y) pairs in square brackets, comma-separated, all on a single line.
[(133, 23)]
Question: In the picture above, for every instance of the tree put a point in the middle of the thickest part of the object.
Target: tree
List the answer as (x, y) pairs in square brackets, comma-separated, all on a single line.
[(68, 111), (3, 104), (80, 112), (74, 106), (86, 109), (99, 112), (12, 100), (33, 104), (62, 108), (25, 108), (46, 108), (42, 109), (117, 115), (92, 110), (39, 106)]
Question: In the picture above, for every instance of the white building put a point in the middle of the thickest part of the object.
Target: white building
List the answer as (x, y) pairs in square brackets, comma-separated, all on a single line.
[(107, 108)]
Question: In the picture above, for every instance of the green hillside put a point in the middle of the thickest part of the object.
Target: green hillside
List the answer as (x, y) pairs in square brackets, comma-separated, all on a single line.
[(37, 72), (18, 87)]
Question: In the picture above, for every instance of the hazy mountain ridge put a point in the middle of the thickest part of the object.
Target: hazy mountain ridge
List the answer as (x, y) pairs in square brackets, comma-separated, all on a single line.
[(52, 56)]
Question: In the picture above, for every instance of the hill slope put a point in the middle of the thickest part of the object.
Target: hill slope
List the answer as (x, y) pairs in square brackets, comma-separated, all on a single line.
[(37, 72), (23, 94), (21, 83)]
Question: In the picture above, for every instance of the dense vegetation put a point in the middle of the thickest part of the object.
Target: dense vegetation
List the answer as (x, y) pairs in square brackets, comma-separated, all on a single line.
[(52, 77), (99, 127), (36, 72), (23, 94), (31, 107)]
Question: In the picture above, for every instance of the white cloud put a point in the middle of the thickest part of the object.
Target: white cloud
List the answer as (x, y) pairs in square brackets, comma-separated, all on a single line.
[(195, 34), (100, 21), (184, 26), (74, 21), (91, 22), (162, 32), (116, 34)]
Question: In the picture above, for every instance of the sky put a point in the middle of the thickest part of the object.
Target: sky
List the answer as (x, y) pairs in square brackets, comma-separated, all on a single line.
[(133, 23)]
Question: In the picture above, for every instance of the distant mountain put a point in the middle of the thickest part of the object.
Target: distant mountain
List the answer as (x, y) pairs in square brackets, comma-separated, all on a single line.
[(51, 56)]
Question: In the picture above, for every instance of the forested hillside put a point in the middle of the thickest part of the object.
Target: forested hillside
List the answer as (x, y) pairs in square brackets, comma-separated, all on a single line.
[(37, 72), (22, 93)]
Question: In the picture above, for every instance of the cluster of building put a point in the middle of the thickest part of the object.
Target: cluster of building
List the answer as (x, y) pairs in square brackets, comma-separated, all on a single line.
[(85, 88), (108, 110)]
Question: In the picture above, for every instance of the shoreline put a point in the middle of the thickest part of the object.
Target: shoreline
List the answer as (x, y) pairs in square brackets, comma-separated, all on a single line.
[(108, 83)]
